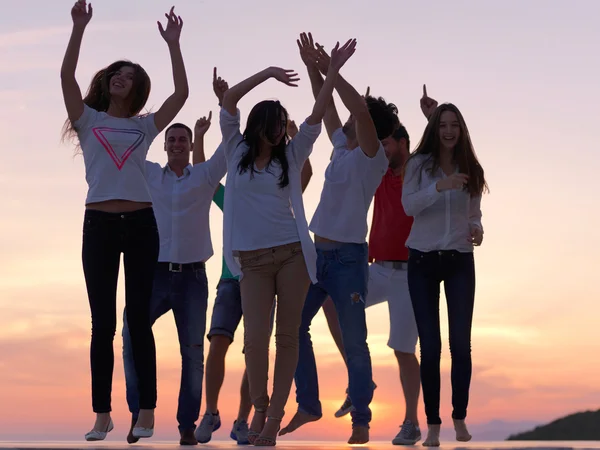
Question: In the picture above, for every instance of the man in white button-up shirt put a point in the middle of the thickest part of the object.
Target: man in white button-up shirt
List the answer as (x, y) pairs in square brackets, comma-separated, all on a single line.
[(181, 196)]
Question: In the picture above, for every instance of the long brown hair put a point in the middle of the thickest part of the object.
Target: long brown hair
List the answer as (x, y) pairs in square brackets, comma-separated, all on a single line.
[(98, 93), (463, 155)]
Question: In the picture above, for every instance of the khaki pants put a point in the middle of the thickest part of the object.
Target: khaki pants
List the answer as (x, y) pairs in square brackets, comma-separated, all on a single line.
[(268, 272)]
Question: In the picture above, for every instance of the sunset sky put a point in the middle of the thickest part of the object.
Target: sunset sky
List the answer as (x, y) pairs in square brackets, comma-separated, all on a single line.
[(525, 76)]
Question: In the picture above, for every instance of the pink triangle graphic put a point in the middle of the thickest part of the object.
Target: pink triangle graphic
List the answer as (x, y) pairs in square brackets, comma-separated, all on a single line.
[(102, 134)]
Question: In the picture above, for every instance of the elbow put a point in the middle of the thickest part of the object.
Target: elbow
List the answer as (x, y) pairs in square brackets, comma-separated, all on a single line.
[(183, 93)]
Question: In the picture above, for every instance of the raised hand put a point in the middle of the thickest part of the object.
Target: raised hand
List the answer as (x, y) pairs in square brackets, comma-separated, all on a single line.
[(308, 52), (220, 86), (428, 105), (323, 59), (292, 128), (173, 31), (339, 55), (284, 76), (456, 181), (202, 126), (81, 14)]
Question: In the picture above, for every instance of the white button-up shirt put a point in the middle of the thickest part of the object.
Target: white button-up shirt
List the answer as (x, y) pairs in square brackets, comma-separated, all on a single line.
[(442, 219), (182, 205)]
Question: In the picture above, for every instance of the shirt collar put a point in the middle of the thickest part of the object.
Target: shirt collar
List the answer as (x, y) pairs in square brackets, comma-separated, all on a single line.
[(186, 169)]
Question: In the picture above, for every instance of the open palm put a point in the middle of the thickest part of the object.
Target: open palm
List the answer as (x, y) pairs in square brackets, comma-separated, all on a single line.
[(81, 14), (285, 76), (339, 55), (308, 52), (173, 31)]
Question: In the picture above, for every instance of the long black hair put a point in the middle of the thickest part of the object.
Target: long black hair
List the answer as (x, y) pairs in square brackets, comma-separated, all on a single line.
[(267, 120), (464, 153), (98, 93)]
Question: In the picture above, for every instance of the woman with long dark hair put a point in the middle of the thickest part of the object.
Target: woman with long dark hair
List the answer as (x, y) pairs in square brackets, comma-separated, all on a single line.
[(443, 185), (119, 218), (266, 240)]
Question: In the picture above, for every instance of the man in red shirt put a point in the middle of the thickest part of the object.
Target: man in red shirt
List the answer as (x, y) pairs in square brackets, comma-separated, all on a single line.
[(388, 282)]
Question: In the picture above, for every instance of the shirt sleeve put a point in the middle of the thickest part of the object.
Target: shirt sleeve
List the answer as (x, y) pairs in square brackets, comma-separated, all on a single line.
[(414, 198), (302, 144), (230, 130), (86, 120), (378, 163), (338, 138), (152, 170), (219, 197), (475, 212), (216, 166), (148, 126)]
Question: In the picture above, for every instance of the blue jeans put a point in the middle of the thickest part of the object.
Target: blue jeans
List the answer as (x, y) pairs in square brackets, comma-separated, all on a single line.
[(425, 273), (186, 293), (343, 274)]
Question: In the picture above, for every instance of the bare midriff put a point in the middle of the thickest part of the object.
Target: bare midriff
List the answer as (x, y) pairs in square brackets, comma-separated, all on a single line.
[(322, 239), (118, 206)]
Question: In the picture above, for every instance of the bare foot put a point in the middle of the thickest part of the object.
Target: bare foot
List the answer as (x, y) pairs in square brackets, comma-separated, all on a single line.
[(462, 434), (360, 435), (299, 419), (102, 422), (145, 419), (433, 436)]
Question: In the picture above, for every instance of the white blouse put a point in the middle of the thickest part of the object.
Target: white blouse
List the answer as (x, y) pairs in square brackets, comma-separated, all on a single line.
[(442, 220), (297, 151)]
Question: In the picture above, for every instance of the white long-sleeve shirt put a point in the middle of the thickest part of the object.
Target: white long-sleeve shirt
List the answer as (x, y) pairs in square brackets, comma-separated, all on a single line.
[(182, 205), (442, 220), (298, 150)]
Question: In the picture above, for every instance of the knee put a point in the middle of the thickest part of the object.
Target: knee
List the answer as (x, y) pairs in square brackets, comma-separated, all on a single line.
[(218, 346), (192, 352), (405, 359), (104, 330), (460, 350), (286, 339)]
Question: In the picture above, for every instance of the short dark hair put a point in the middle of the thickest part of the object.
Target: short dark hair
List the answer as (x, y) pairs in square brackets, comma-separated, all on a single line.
[(401, 133), (384, 115), (179, 125)]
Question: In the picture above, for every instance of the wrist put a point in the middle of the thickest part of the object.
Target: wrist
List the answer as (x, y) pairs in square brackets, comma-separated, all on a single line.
[(173, 45), (79, 28), (438, 187)]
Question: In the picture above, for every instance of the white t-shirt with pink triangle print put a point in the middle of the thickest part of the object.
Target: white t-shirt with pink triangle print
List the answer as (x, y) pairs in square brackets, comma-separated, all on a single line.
[(114, 152)]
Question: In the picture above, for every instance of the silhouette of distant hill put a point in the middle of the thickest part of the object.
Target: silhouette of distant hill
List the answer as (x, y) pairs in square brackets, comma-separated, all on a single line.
[(583, 426)]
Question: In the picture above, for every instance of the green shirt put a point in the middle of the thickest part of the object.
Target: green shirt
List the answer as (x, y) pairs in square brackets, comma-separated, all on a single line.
[(219, 199)]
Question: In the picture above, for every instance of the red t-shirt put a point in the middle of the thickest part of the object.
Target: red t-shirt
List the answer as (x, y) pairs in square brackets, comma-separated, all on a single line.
[(391, 226)]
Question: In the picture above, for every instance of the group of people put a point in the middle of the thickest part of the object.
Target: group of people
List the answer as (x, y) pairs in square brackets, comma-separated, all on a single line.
[(426, 221)]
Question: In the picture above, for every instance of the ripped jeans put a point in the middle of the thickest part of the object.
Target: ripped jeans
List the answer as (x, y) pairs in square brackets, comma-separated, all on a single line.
[(343, 274)]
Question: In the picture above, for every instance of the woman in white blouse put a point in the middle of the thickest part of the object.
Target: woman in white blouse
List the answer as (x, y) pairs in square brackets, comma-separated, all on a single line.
[(443, 184), (266, 239)]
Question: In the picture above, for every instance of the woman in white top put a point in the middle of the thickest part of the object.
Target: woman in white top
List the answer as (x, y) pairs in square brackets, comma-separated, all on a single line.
[(266, 239), (443, 184), (119, 218)]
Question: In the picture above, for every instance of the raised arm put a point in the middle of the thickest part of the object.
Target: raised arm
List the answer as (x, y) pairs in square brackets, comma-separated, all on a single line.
[(308, 53), (81, 15), (200, 129), (339, 56), (306, 174), (355, 103), (235, 94), (172, 105)]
